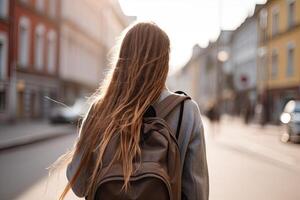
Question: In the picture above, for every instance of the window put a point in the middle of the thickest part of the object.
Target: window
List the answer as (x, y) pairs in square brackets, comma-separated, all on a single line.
[(263, 22), (275, 20), (51, 62), (52, 8), (3, 55), (40, 5), (2, 99), (23, 53), (263, 16), (3, 8), (39, 47), (264, 67), (290, 59), (1, 59), (262, 64), (291, 13), (274, 63)]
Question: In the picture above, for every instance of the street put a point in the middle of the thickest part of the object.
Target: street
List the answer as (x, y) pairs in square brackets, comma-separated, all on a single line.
[(236, 175), (237, 60), (237, 171), (22, 167)]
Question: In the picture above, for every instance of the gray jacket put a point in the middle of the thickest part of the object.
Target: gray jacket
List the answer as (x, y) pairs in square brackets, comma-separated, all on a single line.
[(195, 181)]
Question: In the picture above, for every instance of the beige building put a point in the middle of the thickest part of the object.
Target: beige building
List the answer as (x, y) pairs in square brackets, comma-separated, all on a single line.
[(202, 77), (279, 60), (88, 31), (186, 78)]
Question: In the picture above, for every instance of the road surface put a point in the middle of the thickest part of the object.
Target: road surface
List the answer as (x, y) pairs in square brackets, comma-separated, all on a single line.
[(236, 172)]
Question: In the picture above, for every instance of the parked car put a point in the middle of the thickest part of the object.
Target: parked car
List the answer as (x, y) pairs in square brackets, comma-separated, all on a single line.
[(290, 117), (70, 114)]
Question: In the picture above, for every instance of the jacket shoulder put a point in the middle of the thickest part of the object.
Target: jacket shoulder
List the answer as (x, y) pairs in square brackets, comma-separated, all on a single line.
[(189, 104)]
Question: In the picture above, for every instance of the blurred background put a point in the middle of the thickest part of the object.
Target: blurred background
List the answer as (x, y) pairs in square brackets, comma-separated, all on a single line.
[(238, 59)]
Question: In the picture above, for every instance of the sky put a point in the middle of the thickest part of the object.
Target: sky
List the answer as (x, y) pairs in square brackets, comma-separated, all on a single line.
[(190, 22)]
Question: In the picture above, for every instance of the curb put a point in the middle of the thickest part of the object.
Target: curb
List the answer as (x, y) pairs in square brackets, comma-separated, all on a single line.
[(22, 141)]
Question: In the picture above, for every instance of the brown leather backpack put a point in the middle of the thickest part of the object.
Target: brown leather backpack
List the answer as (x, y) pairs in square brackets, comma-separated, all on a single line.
[(156, 175)]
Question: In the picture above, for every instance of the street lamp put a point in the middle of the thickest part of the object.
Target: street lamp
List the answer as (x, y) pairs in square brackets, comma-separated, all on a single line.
[(223, 56)]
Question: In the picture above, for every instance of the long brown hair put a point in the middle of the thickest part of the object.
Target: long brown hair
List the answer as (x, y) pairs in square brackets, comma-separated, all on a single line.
[(136, 80)]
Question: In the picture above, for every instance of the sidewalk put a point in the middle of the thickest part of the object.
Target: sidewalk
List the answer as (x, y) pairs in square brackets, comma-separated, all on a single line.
[(27, 132), (263, 142), (49, 188)]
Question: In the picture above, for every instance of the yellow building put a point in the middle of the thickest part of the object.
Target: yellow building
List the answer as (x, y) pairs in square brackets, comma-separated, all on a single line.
[(279, 55)]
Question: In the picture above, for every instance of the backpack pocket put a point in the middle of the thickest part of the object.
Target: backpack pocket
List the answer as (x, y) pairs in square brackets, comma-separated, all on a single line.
[(147, 185)]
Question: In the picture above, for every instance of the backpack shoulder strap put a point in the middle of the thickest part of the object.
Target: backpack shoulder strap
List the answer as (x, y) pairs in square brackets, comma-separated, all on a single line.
[(164, 107), (180, 114), (180, 119)]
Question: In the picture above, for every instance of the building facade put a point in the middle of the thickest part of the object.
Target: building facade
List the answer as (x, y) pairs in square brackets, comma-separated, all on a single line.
[(186, 78), (213, 74), (35, 35), (33, 60), (207, 76), (84, 43), (4, 46), (279, 60), (204, 76), (244, 62), (224, 69)]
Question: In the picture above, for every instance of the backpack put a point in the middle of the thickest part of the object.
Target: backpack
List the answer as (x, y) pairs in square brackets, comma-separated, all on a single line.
[(157, 175)]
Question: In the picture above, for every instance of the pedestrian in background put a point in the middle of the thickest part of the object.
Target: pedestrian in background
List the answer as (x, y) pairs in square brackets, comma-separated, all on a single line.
[(137, 81), (213, 115)]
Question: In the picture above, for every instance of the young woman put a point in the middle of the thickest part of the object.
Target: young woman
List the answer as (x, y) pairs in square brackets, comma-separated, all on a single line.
[(137, 80)]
